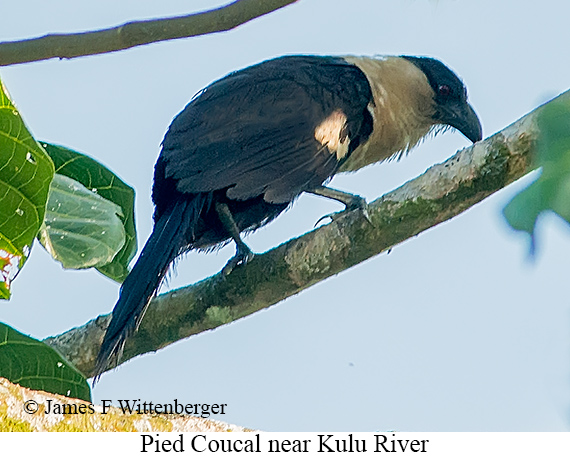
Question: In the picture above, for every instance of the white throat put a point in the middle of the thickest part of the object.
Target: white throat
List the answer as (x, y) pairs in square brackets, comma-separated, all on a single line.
[(402, 109)]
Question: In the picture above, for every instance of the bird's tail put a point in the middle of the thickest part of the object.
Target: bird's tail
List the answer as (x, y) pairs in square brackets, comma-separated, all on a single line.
[(168, 238)]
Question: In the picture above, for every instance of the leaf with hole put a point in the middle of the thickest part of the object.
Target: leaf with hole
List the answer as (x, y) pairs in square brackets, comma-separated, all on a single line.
[(81, 229), (99, 179)]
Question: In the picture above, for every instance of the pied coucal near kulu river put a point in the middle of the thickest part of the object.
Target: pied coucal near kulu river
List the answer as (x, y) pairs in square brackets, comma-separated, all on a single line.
[(250, 143)]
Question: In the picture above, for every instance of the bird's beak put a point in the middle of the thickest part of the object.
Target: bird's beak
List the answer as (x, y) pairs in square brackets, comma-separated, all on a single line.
[(462, 116)]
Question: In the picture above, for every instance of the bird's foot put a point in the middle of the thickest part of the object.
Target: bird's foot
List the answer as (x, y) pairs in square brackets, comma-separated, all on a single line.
[(356, 203), (243, 256)]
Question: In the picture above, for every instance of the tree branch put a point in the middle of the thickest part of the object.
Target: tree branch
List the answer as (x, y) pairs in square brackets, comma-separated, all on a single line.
[(131, 34), (442, 192)]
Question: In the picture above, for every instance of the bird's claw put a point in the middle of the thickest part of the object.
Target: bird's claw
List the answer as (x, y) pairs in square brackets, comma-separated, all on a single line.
[(331, 216), (242, 257), (357, 203)]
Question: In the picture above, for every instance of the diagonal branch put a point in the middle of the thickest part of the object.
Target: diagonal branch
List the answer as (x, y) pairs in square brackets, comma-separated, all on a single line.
[(442, 192), (67, 46)]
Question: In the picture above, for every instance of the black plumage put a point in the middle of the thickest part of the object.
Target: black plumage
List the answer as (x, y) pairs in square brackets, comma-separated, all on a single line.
[(245, 147), (230, 136)]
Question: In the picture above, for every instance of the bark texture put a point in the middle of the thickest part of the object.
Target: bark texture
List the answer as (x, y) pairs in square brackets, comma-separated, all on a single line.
[(442, 192)]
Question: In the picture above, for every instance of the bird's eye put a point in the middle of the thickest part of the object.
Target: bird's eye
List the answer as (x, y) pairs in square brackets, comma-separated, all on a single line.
[(444, 90)]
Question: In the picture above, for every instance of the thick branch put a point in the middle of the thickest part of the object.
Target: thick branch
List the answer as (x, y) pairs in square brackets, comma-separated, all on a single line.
[(442, 192), (136, 33)]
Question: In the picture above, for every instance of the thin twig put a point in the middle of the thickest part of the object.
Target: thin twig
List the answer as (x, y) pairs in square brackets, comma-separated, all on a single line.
[(67, 46)]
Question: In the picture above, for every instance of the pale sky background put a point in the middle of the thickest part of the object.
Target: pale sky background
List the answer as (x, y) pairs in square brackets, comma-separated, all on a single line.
[(455, 330)]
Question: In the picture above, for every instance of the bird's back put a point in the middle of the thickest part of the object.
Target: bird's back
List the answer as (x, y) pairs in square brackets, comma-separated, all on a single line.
[(249, 139)]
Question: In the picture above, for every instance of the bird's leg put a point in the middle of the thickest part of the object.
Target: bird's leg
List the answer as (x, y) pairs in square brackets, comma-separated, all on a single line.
[(350, 201), (243, 253)]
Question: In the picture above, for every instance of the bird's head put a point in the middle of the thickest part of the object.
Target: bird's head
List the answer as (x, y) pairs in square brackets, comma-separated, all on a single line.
[(450, 98)]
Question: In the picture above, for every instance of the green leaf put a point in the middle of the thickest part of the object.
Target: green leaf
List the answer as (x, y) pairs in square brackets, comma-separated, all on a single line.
[(523, 210), (81, 229), (105, 183), (551, 190), (25, 174), (33, 364)]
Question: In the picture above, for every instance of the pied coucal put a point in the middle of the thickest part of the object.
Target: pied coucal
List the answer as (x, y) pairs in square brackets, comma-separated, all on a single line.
[(248, 144)]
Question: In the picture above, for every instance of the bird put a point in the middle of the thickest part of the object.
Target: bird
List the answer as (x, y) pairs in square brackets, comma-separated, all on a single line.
[(245, 147)]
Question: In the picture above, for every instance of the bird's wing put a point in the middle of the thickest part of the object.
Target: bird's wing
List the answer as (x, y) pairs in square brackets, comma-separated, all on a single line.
[(253, 132)]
